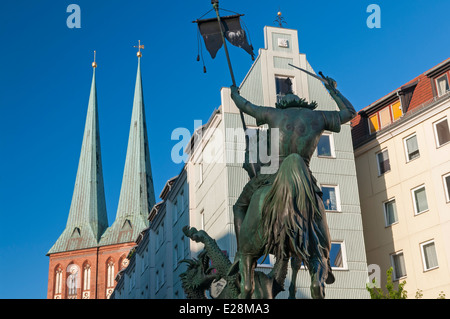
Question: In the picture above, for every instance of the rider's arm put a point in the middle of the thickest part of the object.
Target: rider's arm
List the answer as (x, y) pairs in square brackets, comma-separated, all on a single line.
[(260, 113), (346, 110)]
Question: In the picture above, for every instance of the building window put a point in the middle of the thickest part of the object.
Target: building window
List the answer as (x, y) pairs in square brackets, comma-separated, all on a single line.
[(175, 256), (396, 110), (384, 165), (330, 198), (283, 86), (385, 117), (110, 274), (390, 212), (442, 85), (87, 277), (420, 199), (447, 186), (398, 265), (325, 147), (181, 201), (200, 173), (338, 256), (202, 219), (175, 211), (160, 236), (58, 281), (157, 280), (133, 278), (182, 248), (72, 281), (265, 263), (429, 256), (160, 277), (442, 132), (373, 124), (412, 148)]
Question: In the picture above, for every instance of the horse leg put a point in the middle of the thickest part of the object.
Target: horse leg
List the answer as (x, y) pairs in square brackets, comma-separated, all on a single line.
[(247, 266), (295, 265), (318, 272)]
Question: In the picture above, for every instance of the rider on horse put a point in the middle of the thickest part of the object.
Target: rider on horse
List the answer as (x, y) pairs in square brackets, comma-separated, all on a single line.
[(300, 128)]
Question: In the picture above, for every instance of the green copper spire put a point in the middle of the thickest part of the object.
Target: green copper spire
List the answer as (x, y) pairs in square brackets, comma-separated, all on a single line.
[(137, 195), (87, 216)]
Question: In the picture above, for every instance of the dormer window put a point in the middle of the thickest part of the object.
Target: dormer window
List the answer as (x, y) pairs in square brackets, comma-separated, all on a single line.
[(442, 85), (385, 116), (283, 86)]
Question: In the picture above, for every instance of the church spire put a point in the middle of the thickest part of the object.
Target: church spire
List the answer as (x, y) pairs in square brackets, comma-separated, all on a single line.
[(87, 216), (137, 193)]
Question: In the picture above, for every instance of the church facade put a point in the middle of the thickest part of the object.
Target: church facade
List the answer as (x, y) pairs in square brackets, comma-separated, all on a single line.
[(87, 256)]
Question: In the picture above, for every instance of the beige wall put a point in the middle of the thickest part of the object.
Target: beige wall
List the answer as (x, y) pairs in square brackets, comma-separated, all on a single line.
[(411, 230)]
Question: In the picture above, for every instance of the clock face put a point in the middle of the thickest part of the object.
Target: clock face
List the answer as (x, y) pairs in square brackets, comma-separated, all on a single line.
[(73, 270), (125, 262)]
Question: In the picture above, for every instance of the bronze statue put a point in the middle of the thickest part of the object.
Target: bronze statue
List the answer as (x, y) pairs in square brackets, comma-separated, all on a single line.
[(283, 213)]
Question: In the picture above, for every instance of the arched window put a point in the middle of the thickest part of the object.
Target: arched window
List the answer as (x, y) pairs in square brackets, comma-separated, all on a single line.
[(72, 280), (58, 282), (86, 277), (110, 274)]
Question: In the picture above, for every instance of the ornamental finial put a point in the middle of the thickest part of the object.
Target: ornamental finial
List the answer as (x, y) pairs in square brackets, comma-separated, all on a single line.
[(94, 64), (139, 53)]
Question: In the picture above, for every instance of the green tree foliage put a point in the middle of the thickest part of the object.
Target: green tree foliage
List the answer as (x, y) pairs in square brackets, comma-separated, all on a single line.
[(392, 293)]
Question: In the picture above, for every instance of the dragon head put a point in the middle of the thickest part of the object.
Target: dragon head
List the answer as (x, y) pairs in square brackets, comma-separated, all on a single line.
[(198, 276)]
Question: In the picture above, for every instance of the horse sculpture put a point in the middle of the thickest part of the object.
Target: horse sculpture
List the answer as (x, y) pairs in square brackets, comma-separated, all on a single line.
[(280, 221)]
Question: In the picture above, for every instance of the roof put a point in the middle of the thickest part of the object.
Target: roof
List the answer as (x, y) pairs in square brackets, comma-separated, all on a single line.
[(419, 91), (87, 218), (137, 194)]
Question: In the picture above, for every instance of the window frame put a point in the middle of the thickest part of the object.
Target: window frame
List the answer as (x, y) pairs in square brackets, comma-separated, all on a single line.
[(422, 252), (343, 255), (436, 136), (380, 117), (271, 259), (394, 273), (408, 159), (399, 102), (175, 210), (332, 148), (416, 213), (446, 187), (283, 77), (371, 125), (338, 198), (385, 212), (437, 84), (378, 163)]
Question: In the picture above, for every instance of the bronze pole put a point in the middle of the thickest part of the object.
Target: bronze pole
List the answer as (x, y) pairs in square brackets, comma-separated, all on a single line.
[(215, 4)]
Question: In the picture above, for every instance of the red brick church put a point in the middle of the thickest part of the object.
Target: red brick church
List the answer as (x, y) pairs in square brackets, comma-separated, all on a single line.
[(87, 256)]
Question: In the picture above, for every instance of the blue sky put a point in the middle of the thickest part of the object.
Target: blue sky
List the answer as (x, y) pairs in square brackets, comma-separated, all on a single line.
[(45, 77)]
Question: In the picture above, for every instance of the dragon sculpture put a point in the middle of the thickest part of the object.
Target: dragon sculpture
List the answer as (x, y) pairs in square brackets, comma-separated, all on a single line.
[(213, 265)]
